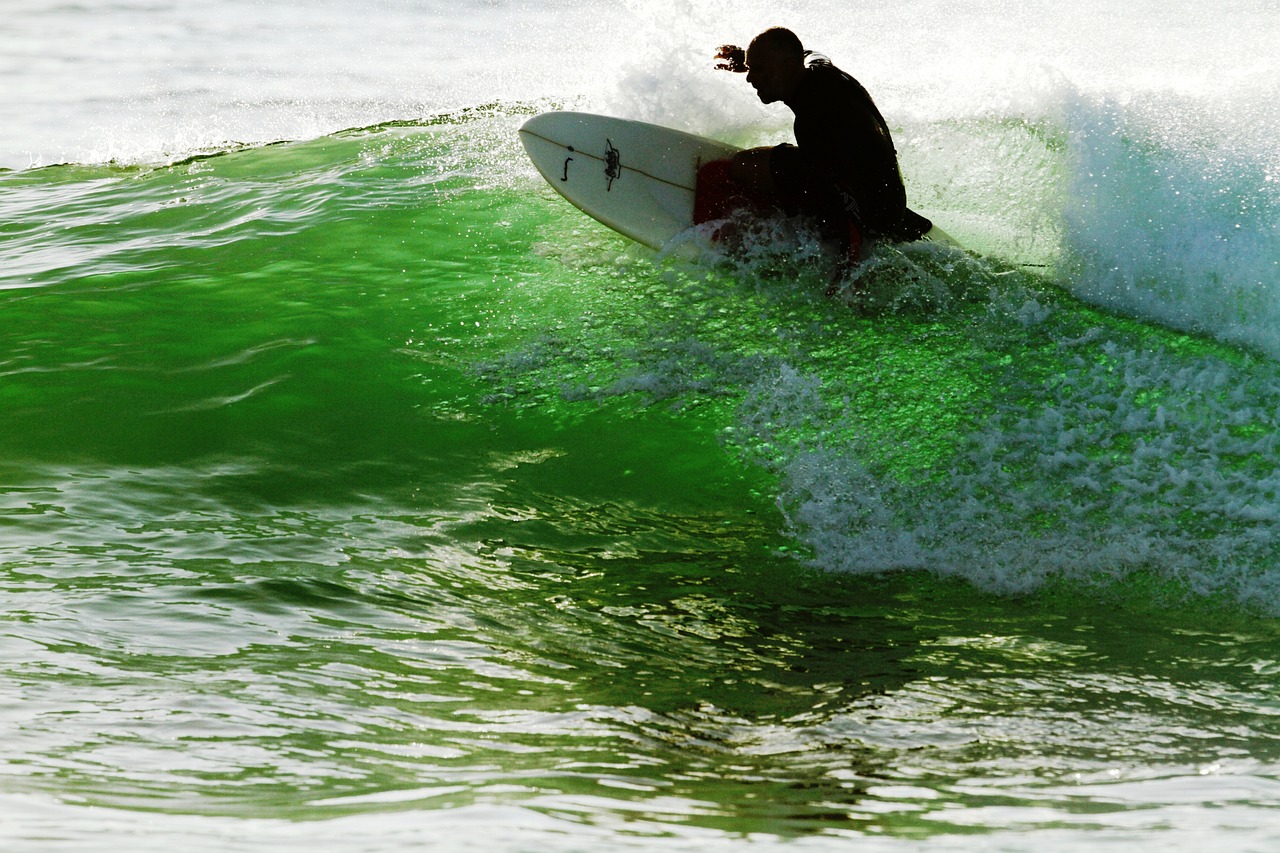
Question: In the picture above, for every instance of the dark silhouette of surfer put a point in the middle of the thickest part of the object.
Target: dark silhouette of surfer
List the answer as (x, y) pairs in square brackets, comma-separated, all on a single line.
[(843, 169)]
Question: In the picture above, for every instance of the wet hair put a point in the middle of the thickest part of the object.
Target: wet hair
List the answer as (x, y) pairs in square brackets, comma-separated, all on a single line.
[(782, 40)]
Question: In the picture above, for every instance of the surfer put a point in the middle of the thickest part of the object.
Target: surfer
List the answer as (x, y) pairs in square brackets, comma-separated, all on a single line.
[(843, 169)]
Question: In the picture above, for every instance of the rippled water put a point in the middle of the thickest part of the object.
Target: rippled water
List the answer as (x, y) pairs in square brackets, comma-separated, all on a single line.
[(357, 494)]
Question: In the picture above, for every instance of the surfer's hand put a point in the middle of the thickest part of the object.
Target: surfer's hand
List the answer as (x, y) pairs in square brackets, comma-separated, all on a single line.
[(852, 257), (733, 58), (837, 278), (843, 281)]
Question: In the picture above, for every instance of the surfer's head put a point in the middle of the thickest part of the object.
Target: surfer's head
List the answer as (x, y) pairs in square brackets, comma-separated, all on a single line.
[(775, 64)]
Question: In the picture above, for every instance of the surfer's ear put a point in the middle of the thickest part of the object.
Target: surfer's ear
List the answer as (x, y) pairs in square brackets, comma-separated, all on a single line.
[(733, 58)]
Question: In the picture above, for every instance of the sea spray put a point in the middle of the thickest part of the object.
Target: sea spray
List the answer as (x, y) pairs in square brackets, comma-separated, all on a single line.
[(1174, 217)]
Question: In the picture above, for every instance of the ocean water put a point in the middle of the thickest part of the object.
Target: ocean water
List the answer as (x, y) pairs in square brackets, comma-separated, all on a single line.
[(358, 494)]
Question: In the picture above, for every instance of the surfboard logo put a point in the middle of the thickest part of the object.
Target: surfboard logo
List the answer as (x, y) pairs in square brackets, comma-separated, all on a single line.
[(567, 161), (612, 164)]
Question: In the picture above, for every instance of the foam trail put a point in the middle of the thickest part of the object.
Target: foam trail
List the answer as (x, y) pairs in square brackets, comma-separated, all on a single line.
[(1139, 462)]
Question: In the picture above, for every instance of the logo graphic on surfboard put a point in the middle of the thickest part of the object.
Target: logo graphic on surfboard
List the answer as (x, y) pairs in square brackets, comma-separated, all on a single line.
[(612, 164)]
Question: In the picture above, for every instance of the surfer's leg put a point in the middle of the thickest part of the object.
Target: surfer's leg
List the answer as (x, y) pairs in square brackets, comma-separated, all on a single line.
[(717, 195), (753, 171), (742, 183)]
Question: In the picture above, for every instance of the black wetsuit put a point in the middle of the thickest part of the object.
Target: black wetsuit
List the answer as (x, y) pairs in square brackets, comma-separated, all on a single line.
[(844, 165)]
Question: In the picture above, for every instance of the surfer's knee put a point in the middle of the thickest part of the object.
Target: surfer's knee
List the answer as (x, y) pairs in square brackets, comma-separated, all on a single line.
[(751, 169)]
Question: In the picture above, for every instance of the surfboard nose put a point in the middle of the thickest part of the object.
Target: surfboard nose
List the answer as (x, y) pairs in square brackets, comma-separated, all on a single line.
[(637, 178)]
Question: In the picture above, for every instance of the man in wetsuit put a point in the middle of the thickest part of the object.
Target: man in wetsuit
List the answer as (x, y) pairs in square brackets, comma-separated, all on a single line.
[(843, 168)]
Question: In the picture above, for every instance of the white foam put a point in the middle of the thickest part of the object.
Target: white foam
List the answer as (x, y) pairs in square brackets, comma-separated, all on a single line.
[(1133, 149), (1175, 217)]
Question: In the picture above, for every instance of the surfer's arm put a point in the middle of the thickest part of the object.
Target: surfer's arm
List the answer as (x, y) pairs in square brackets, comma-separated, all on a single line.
[(733, 58)]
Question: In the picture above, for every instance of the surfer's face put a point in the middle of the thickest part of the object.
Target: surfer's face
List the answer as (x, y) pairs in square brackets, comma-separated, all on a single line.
[(770, 72)]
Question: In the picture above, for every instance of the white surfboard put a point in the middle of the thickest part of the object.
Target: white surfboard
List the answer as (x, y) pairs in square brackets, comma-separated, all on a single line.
[(637, 178)]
